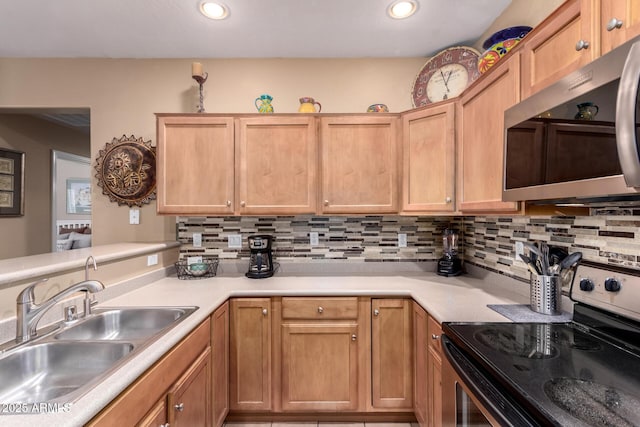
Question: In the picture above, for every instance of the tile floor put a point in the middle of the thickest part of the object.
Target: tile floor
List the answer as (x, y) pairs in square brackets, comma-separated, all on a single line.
[(318, 424)]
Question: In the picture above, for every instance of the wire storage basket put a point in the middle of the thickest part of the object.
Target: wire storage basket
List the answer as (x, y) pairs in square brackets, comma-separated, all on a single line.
[(198, 270)]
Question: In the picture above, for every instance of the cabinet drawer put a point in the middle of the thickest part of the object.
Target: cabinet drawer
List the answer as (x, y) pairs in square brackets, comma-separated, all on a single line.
[(320, 308), (435, 333)]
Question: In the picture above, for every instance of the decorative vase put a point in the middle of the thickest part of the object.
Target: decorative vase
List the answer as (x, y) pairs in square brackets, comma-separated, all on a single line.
[(586, 111), (263, 103), (377, 108), (307, 105)]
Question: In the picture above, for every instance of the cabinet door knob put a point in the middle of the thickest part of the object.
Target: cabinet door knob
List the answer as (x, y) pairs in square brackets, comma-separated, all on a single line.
[(353, 337), (164, 425), (448, 200), (582, 44), (376, 312), (435, 337), (613, 24), (179, 407), (320, 309), (228, 203), (264, 311), (242, 204), (326, 203)]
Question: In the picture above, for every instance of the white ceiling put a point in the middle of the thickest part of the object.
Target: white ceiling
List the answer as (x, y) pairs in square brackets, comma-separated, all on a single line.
[(254, 29)]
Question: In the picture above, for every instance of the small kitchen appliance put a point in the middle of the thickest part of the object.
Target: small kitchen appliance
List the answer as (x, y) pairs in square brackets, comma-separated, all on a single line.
[(450, 264), (260, 257)]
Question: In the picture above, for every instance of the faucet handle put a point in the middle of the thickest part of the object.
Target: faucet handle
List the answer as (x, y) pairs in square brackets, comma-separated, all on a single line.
[(27, 295)]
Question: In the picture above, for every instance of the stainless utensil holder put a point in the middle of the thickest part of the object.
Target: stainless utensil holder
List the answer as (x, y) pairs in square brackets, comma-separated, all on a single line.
[(546, 294)]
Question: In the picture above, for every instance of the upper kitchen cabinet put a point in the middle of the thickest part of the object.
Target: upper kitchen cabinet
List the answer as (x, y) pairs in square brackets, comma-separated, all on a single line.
[(428, 143), (359, 157), (619, 22), (277, 163), (480, 126), (565, 41), (195, 164)]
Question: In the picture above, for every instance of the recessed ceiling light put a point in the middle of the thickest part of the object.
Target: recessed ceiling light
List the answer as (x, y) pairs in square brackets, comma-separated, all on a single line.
[(401, 9), (214, 10)]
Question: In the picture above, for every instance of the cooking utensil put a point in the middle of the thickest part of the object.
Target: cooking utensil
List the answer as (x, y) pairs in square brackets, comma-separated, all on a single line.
[(570, 260), (530, 265)]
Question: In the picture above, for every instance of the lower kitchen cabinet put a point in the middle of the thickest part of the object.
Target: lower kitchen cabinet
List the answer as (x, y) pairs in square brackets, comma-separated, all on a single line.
[(320, 353), (434, 373), (250, 354), (182, 376), (391, 350), (220, 364), (421, 376)]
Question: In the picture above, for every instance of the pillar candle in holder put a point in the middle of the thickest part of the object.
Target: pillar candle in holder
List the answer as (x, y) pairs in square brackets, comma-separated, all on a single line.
[(196, 69)]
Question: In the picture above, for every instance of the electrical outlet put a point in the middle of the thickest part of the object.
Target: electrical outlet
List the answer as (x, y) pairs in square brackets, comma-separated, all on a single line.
[(519, 250), (402, 240), (134, 216), (197, 240), (152, 259), (235, 241), (313, 238)]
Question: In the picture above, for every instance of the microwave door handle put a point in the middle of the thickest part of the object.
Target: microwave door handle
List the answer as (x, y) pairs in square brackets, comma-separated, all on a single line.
[(626, 118)]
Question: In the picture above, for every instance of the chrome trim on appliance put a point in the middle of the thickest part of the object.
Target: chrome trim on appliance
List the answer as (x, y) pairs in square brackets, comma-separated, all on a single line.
[(626, 117)]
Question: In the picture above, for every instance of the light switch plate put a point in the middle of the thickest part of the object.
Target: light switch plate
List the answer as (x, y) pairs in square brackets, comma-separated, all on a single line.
[(197, 240), (313, 238), (235, 241), (519, 250), (134, 216), (402, 240)]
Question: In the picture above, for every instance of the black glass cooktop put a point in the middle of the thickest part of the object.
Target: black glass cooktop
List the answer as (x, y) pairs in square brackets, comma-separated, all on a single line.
[(560, 372)]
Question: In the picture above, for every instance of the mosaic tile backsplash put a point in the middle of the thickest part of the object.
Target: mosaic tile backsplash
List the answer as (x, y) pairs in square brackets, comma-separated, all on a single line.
[(609, 236)]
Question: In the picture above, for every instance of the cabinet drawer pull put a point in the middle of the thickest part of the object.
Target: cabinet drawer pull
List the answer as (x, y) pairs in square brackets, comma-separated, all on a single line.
[(326, 203), (613, 24), (582, 44), (320, 309), (353, 337), (264, 311), (435, 337), (164, 425), (376, 312), (228, 203), (179, 407), (448, 199), (242, 203)]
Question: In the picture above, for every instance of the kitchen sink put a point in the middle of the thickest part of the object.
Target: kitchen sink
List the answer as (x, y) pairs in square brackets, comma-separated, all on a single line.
[(124, 323), (47, 371), (63, 365)]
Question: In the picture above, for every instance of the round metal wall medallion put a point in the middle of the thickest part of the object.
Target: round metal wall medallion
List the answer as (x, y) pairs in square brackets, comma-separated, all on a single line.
[(126, 171)]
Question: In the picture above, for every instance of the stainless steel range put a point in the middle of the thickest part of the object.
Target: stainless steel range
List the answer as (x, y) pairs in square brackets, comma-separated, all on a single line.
[(585, 372)]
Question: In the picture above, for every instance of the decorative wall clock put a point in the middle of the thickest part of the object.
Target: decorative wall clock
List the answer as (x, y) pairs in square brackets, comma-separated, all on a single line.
[(445, 75), (126, 171)]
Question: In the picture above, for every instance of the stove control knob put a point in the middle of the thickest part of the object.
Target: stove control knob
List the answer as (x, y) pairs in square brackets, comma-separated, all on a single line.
[(612, 285), (586, 284)]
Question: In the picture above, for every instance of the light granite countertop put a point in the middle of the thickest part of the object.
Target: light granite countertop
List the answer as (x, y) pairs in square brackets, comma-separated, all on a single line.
[(463, 298)]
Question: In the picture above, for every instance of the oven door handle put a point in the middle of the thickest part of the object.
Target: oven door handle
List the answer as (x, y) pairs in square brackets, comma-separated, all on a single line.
[(503, 410), (626, 118)]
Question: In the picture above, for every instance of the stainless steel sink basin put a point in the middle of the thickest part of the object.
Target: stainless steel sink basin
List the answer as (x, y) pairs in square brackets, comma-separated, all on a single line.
[(47, 371), (124, 323)]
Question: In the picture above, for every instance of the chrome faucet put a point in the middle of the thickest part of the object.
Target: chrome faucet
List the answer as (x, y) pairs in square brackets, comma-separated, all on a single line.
[(29, 313), (86, 266)]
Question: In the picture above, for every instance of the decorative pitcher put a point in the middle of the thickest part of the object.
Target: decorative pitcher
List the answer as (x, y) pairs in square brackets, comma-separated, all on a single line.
[(586, 111), (263, 103), (307, 105)]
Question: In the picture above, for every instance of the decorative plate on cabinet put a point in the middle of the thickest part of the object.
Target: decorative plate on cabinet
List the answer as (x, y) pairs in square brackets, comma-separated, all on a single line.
[(126, 171), (445, 75)]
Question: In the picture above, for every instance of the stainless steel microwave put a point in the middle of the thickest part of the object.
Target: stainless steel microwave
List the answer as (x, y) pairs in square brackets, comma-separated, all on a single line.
[(577, 140)]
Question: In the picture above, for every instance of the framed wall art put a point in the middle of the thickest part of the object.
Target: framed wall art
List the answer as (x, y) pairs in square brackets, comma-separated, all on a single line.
[(11, 182), (79, 196)]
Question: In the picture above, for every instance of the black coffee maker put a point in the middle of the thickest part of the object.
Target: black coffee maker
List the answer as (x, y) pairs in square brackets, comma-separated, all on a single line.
[(260, 259), (450, 264)]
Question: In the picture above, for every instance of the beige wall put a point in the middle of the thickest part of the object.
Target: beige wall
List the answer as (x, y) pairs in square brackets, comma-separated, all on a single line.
[(31, 233)]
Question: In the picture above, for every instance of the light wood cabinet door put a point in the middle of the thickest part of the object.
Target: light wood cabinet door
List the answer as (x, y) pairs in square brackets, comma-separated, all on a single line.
[(250, 354), (359, 157), (277, 163), (421, 376), (320, 367), (434, 373), (619, 22), (190, 399), (391, 354), (195, 165), (480, 125), (428, 138), (220, 364), (552, 52)]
